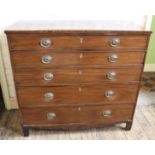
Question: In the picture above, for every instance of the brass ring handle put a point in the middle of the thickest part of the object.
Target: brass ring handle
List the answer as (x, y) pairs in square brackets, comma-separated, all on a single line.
[(49, 96), (113, 58), (111, 75), (46, 59), (48, 76), (51, 116), (45, 42), (115, 42), (109, 93), (107, 113)]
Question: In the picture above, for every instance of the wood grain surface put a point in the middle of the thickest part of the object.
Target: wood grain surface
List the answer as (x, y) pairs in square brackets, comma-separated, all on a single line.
[(28, 42), (72, 95), (80, 64), (62, 58), (86, 114)]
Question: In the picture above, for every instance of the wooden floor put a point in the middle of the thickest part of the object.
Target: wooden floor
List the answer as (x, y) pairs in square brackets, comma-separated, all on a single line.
[(143, 125)]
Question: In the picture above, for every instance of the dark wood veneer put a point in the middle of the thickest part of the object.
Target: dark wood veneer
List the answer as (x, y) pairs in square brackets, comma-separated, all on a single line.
[(72, 76), (80, 80), (72, 95), (67, 42), (71, 58), (79, 114)]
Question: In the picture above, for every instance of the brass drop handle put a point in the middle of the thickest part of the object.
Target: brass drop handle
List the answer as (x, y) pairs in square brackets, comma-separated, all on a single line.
[(111, 75), (46, 59), (109, 93), (115, 42), (48, 76), (45, 42), (49, 96), (51, 116), (113, 58), (107, 113)]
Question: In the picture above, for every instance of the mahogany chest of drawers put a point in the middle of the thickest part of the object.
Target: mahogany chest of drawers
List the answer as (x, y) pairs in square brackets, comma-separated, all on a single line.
[(70, 79)]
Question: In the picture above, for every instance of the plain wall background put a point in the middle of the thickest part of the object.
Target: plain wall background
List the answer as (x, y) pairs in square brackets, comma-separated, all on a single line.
[(151, 50), (14, 10)]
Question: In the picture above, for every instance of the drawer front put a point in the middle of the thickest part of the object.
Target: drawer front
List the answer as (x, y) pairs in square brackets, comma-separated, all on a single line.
[(44, 41), (84, 114), (74, 76), (51, 59), (103, 93)]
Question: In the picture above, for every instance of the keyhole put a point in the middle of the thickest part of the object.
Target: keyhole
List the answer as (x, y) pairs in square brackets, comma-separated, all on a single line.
[(80, 72), (81, 40), (79, 89), (81, 55), (79, 108)]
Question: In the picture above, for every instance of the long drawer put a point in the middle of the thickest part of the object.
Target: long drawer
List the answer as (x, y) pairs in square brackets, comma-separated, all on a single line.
[(81, 94), (42, 41), (47, 58), (75, 76), (85, 114)]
